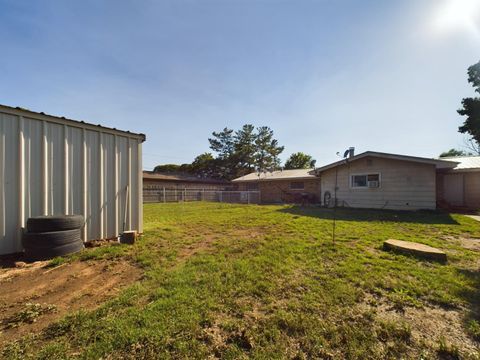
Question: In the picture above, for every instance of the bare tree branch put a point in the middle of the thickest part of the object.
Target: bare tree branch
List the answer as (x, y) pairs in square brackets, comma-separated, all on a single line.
[(471, 145)]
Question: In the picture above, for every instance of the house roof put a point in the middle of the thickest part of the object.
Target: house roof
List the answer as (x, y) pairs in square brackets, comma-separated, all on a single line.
[(180, 178), (465, 163), (277, 175), (63, 120), (441, 164)]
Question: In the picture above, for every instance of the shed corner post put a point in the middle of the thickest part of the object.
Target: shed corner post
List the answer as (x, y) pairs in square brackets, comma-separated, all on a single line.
[(21, 178), (140, 187), (84, 185), (45, 186), (66, 172)]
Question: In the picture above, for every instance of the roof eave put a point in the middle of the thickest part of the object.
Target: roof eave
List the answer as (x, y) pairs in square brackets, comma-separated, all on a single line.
[(388, 156), (277, 179), (18, 111)]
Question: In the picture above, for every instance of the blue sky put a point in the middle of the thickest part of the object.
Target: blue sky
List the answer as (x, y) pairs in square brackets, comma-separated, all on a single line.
[(324, 75)]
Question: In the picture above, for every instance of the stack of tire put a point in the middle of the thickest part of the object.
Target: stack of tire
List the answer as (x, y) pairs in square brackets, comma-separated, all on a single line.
[(51, 236)]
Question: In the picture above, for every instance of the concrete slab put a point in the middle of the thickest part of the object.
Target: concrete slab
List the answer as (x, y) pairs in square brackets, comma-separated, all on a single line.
[(474, 217), (412, 248)]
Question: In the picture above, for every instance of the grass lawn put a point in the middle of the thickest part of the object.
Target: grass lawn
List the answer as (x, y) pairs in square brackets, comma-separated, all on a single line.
[(241, 281)]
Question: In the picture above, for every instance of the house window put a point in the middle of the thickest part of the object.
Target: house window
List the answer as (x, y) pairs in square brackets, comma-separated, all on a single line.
[(297, 185), (365, 181), (252, 186)]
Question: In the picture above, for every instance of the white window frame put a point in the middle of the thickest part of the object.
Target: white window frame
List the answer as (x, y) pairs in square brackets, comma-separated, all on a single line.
[(291, 182), (366, 174)]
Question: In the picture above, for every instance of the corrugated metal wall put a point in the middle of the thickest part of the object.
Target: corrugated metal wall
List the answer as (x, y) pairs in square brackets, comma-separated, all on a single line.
[(49, 166)]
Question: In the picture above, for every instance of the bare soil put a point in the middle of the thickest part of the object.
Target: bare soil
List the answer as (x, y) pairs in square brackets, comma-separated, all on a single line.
[(464, 241), (428, 324), (32, 296)]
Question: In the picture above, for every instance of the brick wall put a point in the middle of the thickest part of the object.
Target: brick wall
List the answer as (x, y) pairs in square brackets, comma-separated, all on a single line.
[(279, 191)]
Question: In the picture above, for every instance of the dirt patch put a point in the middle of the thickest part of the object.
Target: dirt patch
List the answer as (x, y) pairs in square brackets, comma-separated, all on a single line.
[(199, 246), (206, 240), (34, 296), (428, 324), (250, 233), (466, 242), (469, 243)]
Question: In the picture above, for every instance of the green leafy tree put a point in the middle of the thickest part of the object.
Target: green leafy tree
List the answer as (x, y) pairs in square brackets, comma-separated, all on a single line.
[(454, 152), (244, 150), (299, 160), (205, 166), (471, 109), (171, 168), (223, 143), (267, 150)]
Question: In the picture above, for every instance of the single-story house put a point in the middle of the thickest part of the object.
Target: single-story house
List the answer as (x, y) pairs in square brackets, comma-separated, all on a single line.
[(382, 181), (460, 187), (181, 181), (376, 180), (50, 165), (282, 186)]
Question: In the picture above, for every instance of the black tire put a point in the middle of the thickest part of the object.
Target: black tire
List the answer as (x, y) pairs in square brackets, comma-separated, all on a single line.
[(51, 239), (35, 254), (40, 224)]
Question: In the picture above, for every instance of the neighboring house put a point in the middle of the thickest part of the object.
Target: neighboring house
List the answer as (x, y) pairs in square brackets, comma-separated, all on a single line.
[(460, 186), (179, 181), (382, 181), (375, 180), (282, 186), (51, 165), (167, 187)]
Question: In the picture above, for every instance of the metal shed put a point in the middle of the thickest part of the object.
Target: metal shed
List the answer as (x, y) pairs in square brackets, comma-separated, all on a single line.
[(51, 165)]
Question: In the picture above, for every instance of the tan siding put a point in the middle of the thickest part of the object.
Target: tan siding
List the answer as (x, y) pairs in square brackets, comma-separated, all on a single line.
[(472, 189), (403, 185)]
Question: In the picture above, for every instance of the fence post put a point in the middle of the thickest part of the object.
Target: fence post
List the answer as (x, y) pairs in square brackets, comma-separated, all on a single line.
[(220, 197), (203, 195), (164, 200), (176, 195), (248, 197), (184, 194)]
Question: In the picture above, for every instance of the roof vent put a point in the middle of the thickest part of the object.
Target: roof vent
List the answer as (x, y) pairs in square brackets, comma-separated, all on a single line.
[(351, 152)]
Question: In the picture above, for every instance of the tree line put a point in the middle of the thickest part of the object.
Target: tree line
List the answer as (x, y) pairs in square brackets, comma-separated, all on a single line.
[(240, 152)]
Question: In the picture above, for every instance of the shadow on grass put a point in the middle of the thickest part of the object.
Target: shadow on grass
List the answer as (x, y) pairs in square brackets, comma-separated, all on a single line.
[(472, 297), (418, 217)]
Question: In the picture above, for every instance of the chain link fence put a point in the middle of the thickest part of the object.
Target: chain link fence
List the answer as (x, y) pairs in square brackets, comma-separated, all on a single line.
[(164, 195)]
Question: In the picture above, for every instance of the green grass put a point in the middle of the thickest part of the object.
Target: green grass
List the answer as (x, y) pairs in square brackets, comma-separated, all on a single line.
[(266, 282)]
